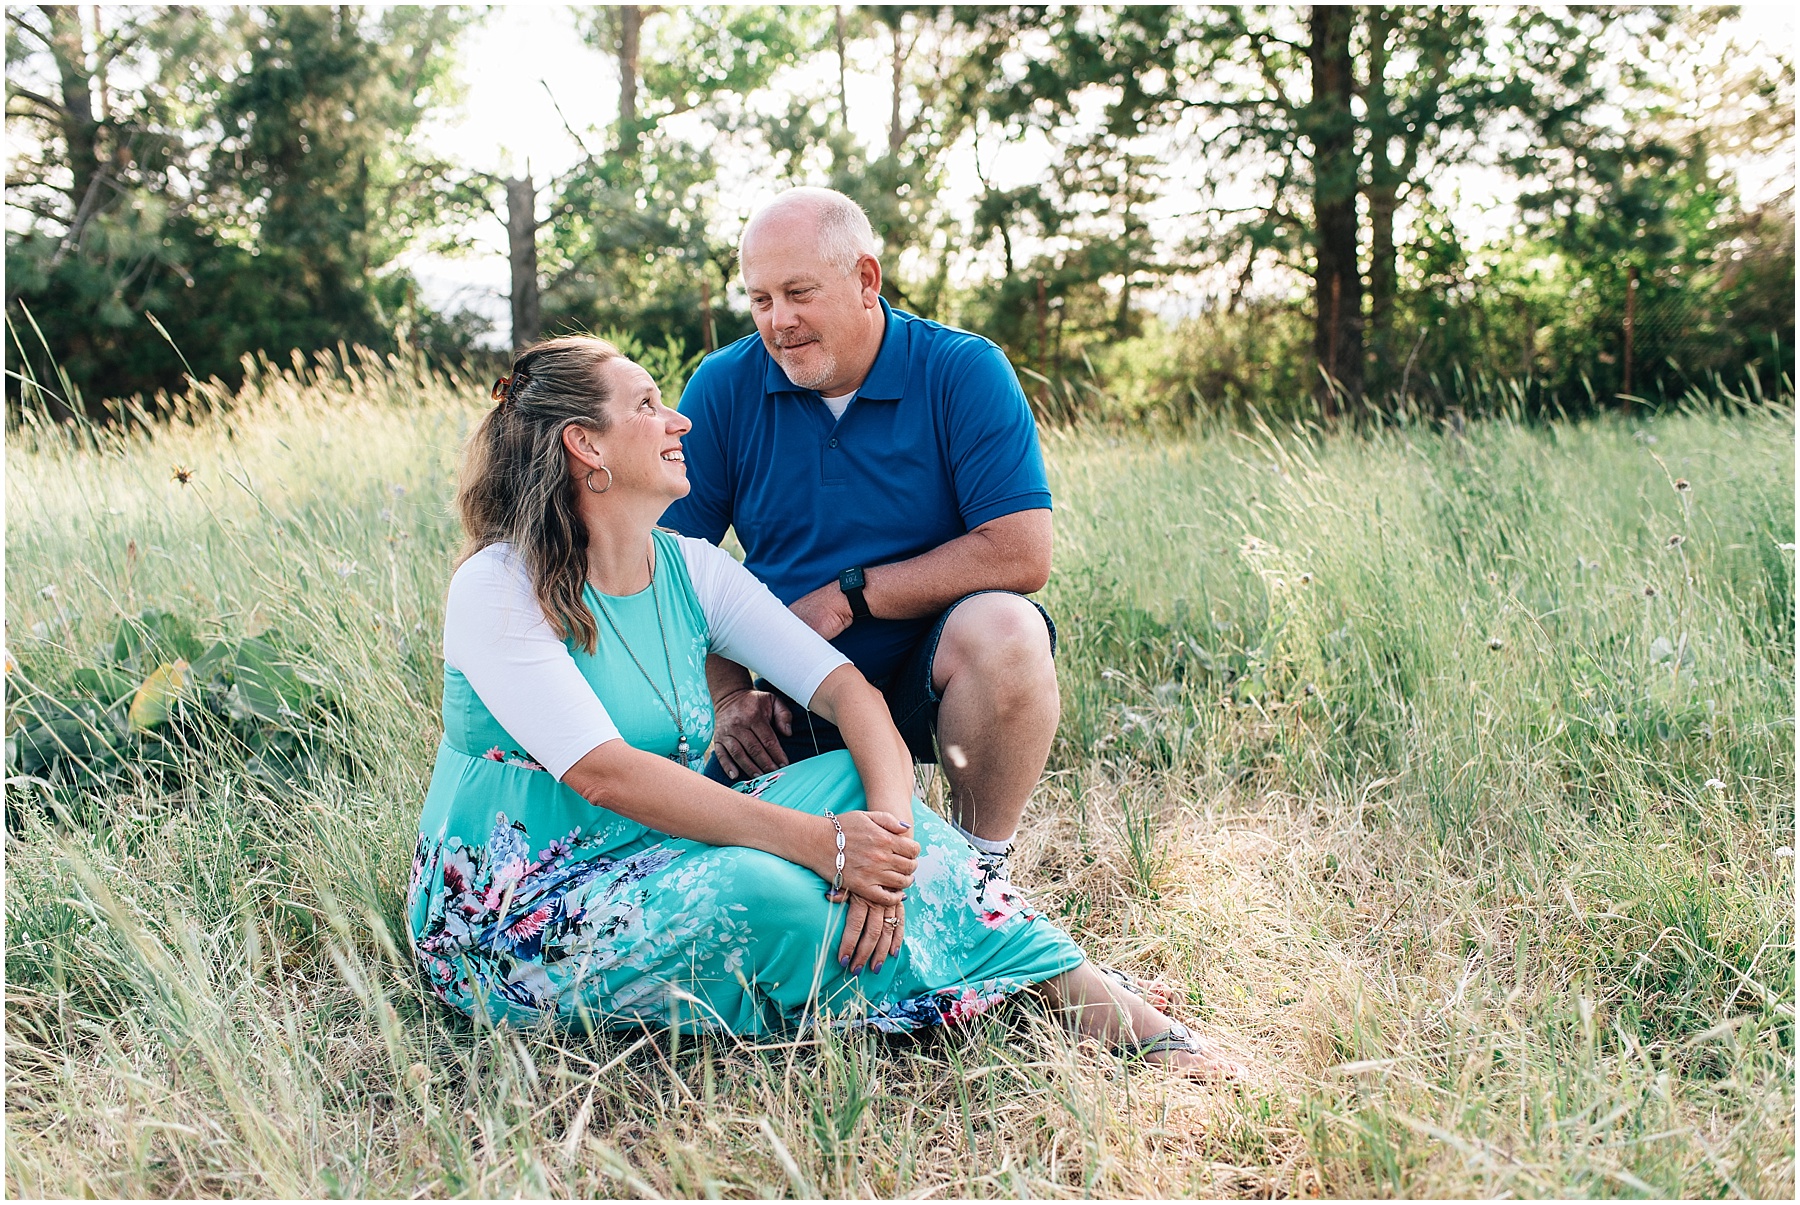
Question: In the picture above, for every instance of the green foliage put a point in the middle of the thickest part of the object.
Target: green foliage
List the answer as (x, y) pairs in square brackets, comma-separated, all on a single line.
[(248, 191), (156, 700), (203, 186)]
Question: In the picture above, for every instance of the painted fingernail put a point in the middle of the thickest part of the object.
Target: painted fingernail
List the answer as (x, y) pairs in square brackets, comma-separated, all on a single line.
[(843, 960), (906, 824)]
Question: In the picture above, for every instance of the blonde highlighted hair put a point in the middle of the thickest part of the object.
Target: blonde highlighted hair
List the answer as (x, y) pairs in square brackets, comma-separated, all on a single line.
[(515, 486)]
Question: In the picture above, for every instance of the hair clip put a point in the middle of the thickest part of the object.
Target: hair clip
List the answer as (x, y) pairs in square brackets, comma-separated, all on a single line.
[(507, 386)]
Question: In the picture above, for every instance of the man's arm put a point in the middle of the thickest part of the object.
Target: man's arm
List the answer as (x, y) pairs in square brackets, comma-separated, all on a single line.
[(1011, 552)]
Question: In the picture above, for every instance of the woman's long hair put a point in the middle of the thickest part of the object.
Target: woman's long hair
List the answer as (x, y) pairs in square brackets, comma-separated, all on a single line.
[(515, 486)]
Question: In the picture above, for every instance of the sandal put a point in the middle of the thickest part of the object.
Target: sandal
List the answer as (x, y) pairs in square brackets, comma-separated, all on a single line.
[(1179, 1039)]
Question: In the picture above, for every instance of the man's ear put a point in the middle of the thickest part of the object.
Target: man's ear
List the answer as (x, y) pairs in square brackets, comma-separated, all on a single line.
[(868, 271)]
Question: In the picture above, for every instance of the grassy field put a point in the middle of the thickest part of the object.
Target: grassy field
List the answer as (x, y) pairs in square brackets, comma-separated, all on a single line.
[(1429, 768)]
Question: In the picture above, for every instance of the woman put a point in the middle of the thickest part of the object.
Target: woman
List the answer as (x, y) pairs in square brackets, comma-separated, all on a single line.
[(571, 862)]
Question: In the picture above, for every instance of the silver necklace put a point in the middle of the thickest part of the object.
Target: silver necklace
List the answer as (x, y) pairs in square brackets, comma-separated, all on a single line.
[(680, 756)]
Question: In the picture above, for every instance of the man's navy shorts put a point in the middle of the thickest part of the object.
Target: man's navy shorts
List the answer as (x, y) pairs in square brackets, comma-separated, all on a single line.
[(910, 699)]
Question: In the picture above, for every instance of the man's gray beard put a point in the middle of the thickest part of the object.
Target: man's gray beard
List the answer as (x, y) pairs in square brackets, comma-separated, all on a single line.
[(825, 372)]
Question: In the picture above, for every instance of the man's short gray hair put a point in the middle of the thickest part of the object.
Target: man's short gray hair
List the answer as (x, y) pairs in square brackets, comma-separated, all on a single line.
[(845, 235)]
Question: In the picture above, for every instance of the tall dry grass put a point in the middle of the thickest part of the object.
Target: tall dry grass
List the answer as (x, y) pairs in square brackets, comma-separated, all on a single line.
[(1391, 754)]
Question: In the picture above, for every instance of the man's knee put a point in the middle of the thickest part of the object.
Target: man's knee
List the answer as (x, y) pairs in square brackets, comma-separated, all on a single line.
[(996, 634)]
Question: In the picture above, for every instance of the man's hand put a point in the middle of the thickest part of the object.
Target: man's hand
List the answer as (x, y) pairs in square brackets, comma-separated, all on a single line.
[(744, 727), (826, 610)]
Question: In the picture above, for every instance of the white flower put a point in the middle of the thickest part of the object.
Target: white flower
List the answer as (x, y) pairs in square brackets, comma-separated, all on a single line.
[(1784, 852), (1716, 784), (48, 591)]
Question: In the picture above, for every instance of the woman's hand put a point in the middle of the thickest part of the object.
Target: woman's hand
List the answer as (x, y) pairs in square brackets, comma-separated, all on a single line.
[(880, 857), (872, 934)]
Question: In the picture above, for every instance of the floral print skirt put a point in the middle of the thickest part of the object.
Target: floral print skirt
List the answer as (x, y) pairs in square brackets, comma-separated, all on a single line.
[(608, 924)]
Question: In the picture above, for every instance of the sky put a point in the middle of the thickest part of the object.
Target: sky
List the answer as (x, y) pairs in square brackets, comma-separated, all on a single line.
[(525, 53)]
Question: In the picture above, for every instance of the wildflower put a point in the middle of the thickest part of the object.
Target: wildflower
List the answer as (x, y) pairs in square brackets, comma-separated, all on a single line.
[(1676, 540), (182, 474), (1717, 784), (1107, 675), (1309, 690), (346, 569), (398, 490), (387, 514), (1784, 852), (1495, 643), (1681, 485), (48, 591)]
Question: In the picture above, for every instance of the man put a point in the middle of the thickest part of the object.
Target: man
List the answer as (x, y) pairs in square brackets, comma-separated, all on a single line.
[(883, 475)]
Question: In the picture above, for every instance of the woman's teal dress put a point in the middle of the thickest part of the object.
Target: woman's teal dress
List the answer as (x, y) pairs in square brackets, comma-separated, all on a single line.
[(527, 901)]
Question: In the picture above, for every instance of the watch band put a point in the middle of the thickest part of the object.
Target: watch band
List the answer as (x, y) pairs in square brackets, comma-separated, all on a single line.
[(851, 582)]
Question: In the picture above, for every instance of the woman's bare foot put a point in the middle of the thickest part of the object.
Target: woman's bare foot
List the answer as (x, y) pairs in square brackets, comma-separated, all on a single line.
[(1203, 1058), (1103, 1008)]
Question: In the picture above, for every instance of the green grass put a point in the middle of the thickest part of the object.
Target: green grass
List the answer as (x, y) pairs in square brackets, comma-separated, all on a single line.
[(1390, 754)]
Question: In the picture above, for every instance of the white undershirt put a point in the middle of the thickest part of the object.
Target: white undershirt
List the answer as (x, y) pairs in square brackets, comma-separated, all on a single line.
[(837, 405), (496, 635)]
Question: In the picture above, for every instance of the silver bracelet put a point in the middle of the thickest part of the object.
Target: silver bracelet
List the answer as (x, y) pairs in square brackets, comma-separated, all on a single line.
[(837, 879)]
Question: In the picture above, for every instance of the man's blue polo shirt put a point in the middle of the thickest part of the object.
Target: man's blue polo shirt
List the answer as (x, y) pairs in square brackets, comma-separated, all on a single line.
[(938, 441)]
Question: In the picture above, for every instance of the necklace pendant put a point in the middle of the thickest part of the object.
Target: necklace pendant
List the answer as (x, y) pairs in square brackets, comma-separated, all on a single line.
[(681, 750)]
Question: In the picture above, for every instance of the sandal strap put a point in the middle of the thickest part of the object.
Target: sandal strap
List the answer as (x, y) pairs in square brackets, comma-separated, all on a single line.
[(1175, 1038)]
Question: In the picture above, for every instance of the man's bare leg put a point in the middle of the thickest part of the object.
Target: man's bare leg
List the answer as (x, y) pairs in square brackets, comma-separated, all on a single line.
[(997, 682)]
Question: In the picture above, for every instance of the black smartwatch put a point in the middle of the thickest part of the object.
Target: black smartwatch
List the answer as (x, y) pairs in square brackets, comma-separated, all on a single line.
[(851, 582)]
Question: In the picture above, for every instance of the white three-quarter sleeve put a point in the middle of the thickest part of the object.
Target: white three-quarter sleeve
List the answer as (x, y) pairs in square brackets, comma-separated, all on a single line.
[(749, 625), (496, 635)]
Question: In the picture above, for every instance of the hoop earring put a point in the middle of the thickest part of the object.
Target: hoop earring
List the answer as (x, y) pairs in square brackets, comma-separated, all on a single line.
[(589, 479)]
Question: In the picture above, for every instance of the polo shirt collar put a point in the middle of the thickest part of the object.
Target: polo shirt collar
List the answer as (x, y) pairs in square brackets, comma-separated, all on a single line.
[(887, 376)]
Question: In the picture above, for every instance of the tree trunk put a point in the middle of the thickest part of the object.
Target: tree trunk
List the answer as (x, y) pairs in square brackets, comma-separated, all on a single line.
[(896, 132), (1631, 292), (80, 130), (1384, 198), (1337, 284), (708, 332), (631, 24), (837, 14), (521, 245)]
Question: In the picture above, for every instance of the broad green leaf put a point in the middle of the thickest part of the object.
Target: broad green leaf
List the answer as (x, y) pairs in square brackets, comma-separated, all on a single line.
[(267, 685), (104, 683), (153, 637), (36, 747)]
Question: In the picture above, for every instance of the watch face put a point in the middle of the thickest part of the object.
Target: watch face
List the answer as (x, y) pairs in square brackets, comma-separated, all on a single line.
[(851, 579)]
